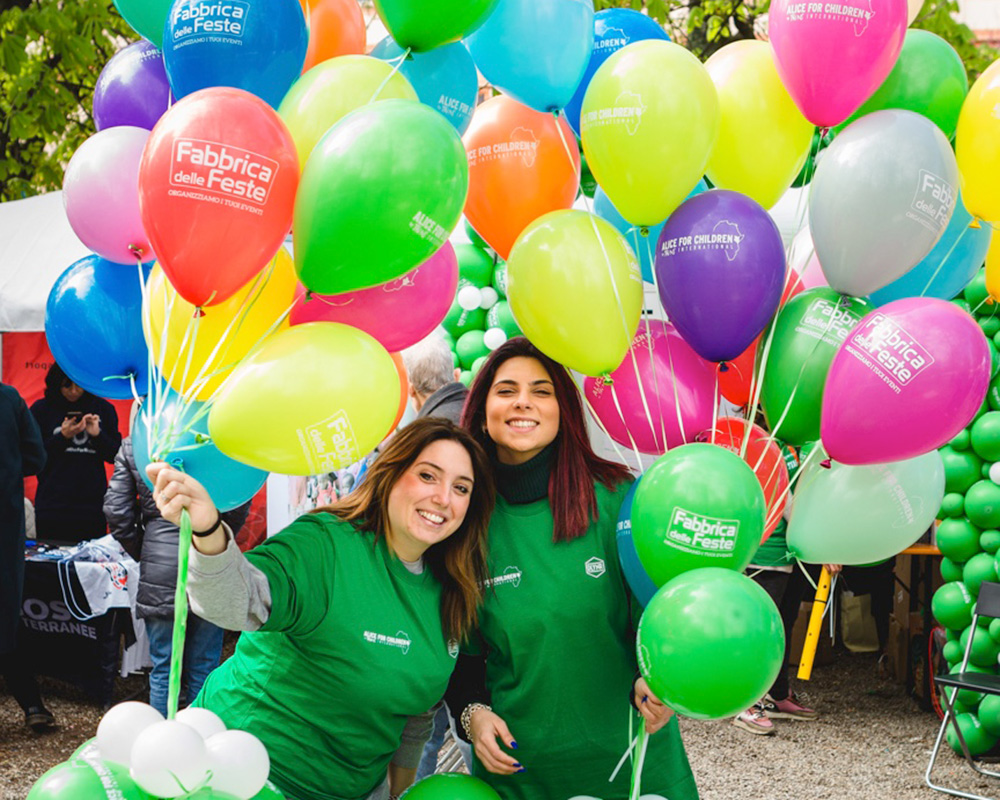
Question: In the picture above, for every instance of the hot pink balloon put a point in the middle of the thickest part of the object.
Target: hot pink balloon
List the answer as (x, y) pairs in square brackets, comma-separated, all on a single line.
[(909, 377), (833, 54), (399, 313), (675, 377), (101, 194)]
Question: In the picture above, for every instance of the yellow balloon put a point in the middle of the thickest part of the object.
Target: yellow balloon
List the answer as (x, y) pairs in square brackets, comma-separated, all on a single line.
[(976, 146), (648, 122), (192, 350), (912, 9), (575, 289), (312, 399), (755, 107), (331, 90), (993, 268)]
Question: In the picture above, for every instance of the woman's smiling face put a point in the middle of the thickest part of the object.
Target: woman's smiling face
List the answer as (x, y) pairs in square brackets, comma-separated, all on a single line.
[(522, 413)]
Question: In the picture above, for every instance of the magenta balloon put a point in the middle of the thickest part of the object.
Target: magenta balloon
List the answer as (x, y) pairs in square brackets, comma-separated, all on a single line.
[(132, 89), (910, 376), (101, 194), (399, 313), (675, 377), (832, 55)]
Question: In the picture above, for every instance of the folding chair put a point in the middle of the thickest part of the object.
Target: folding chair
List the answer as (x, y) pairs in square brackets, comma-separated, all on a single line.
[(987, 605)]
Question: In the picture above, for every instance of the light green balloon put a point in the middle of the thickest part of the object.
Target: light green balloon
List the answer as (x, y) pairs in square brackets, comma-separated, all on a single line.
[(148, 18), (900, 500)]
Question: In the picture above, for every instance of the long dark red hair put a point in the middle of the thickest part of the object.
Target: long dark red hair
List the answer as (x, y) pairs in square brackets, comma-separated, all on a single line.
[(576, 466)]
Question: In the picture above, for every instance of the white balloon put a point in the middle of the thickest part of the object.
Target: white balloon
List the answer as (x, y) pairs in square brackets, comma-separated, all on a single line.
[(995, 472), (494, 337), (119, 728), (469, 298), (169, 759), (206, 722), (239, 763), (488, 298)]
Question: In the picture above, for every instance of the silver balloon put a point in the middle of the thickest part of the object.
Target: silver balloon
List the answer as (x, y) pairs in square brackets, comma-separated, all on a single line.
[(881, 198)]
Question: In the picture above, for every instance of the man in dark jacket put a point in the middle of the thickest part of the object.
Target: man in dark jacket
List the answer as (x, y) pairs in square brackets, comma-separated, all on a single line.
[(21, 453), (135, 522), (434, 387)]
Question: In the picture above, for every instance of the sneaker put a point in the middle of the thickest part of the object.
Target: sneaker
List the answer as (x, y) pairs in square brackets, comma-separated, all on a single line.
[(789, 708), (755, 720), (39, 718)]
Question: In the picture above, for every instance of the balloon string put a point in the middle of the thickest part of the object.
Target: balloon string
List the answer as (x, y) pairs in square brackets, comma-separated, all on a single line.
[(628, 432), (604, 430), (944, 260), (395, 68), (180, 615), (793, 479), (715, 407), (643, 744), (656, 380), (810, 170), (577, 168)]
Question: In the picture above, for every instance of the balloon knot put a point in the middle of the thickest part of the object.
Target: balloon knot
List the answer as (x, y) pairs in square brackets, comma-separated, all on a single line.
[(135, 250), (990, 300), (723, 366), (701, 437), (199, 312), (975, 224), (608, 380), (825, 463), (823, 132), (202, 438), (644, 231)]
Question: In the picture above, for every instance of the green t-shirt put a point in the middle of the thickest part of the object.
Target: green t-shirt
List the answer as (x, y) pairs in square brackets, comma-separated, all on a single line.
[(561, 659), (774, 551), (352, 648)]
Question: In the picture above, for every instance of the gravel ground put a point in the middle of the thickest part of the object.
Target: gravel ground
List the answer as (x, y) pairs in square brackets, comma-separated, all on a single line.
[(872, 742)]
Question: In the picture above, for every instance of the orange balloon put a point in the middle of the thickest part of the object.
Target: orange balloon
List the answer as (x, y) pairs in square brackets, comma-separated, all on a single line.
[(520, 168), (336, 28), (404, 388)]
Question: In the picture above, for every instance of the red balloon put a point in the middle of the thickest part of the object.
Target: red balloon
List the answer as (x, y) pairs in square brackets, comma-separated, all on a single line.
[(764, 458), (217, 186)]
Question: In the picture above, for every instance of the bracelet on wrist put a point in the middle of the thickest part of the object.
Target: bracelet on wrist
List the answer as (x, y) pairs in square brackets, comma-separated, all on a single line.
[(467, 717), (210, 531)]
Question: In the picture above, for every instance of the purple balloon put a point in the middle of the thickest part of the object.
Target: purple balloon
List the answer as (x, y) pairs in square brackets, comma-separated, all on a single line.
[(132, 88), (720, 270)]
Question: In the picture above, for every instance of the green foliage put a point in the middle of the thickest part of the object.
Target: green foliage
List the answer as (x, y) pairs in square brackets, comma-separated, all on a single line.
[(51, 53), (937, 16)]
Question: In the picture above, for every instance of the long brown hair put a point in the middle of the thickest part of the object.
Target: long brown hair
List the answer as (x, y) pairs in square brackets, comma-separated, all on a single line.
[(458, 562), (577, 466)]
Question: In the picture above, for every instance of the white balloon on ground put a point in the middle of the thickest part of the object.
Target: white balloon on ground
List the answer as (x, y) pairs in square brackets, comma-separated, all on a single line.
[(239, 763), (119, 728), (169, 759), (206, 722)]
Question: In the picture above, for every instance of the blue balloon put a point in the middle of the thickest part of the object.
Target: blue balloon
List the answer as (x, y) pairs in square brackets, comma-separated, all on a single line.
[(534, 51), (639, 582), (255, 45), (93, 323), (952, 263), (613, 29), (642, 246), (177, 428), (443, 78)]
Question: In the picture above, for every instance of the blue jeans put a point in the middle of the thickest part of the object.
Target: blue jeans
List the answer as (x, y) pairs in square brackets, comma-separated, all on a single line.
[(202, 651)]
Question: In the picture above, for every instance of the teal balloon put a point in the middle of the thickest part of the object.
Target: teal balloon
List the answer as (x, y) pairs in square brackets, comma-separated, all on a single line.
[(985, 436), (698, 505), (984, 650), (950, 571), (709, 642), (958, 539), (896, 503), (450, 786), (979, 568), (961, 469), (977, 738), (982, 504), (86, 780), (952, 605)]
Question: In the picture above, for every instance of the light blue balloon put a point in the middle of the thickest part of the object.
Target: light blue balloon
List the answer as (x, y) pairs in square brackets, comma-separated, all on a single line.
[(644, 247), (952, 263), (639, 582), (229, 482), (535, 51), (613, 29), (443, 78)]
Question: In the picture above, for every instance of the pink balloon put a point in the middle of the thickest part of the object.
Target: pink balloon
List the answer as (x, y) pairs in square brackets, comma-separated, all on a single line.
[(399, 313), (812, 276), (833, 54), (101, 194), (675, 377), (910, 376)]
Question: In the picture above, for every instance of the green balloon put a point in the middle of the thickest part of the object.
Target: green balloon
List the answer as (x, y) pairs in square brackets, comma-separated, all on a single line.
[(985, 407), (982, 504), (989, 714), (450, 786), (458, 322), (808, 333), (993, 394), (475, 238), (994, 629), (87, 751), (474, 265), (967, 697), (990, 541), (990, 326), (984, 650), (500, 278), (380, 193), (952, 652), (269, 792), (709, 642), (962, 708), (963, 304), (961, 441), (985, 436), (148, 18), (929, 79), (952, 605), (950, 571), (465, 377), (477, 365), (958, 539), (500, 316), (979, 568), (953, 505), (470, 347), (86, 780), (977, 738), (424, 26), (950, 635), (961, 469), (994, 366), (975, 293), (698, 505), (588, 183)]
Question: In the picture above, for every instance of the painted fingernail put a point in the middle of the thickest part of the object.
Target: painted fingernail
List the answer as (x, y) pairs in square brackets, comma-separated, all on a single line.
[(517, 765), (520, 770), (513, 744), (645, 699)]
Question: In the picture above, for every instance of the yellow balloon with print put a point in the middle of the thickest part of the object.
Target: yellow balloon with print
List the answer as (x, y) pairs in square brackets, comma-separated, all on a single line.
[(198, 352), (312, 399), (755, 106), (648, 122), (575, 289), (976, 146)]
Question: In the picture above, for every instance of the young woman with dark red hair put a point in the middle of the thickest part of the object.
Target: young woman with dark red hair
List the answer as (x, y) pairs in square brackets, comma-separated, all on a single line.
[(541, 689)]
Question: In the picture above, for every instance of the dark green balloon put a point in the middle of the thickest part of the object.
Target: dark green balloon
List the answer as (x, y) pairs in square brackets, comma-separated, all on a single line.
[(994, 629), (961, 441), (475, 238), (459, 321), (962, 303), (984, 649), (982, 504), (588, 184), (950, 571), (989, 714), (990, 540), (952, 605), (990, 326), (975, 293), (424, 26), (808, 332), (958, 539), (500, 278), (967, 697), (953, 505), (469, 347), (500, 316), (961, 469), (979, 568), (952, 652), (993, 394), (450, 786), (977, 738), (474, 265)]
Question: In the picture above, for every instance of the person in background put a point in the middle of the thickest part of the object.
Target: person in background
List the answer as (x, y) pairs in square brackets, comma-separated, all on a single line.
[(135, 521), (21, 453), (80, 432)]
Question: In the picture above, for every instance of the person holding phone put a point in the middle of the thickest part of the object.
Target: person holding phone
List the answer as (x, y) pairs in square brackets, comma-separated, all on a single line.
[(80, 431)]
